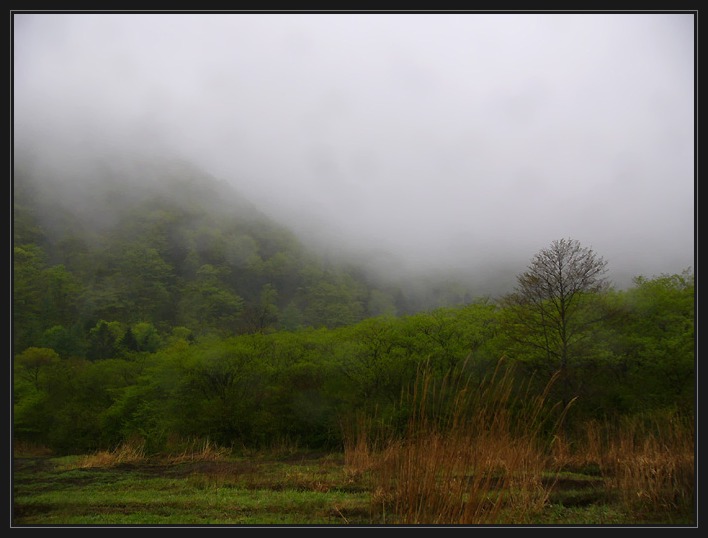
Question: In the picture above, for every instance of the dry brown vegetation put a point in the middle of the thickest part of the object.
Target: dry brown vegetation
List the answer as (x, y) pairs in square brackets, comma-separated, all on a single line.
[(128, 452), (648, 462), (479, 455)]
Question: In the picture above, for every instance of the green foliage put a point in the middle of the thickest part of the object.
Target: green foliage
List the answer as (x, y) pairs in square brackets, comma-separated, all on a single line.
[(655, 342), (65, 410), (68, 343), (33, 363), (333, 301), (207, 305), (43, 296), (146, 336), (103, 340), (144, 279), (187, 314), (305, 385), (262, 315)]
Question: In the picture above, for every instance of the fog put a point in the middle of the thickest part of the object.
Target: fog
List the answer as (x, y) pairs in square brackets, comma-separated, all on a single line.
[(410, 142)]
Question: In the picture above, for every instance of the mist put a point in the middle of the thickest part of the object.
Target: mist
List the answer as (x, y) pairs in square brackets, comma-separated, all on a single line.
[(414, 144)]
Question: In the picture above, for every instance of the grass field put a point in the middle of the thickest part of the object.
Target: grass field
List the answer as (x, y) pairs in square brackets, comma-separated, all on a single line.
[(467, 460), (299, 489)]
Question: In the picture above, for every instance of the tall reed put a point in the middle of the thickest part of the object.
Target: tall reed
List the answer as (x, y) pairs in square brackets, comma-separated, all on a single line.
[(647, 461), (470, 454)]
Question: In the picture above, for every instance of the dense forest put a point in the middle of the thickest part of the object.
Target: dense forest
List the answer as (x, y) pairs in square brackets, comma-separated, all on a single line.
[(155, 302)]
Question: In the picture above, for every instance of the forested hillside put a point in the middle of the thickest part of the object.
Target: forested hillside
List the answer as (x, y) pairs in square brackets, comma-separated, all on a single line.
[(167, 248), (156, 302)]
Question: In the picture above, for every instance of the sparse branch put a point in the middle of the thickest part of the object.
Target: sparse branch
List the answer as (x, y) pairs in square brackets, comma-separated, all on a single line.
[(549, 300)]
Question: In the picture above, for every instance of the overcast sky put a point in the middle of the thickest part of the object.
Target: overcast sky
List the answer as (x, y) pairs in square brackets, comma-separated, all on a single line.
[(450, 140)]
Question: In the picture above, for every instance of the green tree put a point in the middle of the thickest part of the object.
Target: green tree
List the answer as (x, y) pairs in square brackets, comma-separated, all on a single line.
[(263, 314), (27, 295), (69, 342), (103, 340), (334, 300), (147, 337), (128, 341), (208, 305), (60, 292), (81, 393), (33, 362), (143, 280), (654, 342), (373, 362)]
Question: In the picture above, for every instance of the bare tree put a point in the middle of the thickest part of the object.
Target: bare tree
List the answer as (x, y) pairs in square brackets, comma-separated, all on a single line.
[(550, 310)]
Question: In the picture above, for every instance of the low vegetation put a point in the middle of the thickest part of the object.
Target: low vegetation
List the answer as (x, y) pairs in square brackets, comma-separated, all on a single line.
[(475, 458)]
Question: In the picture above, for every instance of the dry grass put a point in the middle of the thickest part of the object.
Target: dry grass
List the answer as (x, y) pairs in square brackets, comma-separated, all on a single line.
[(25, 449), (650, 462), (491, 453), (133, 451), (647, 461), (200, 450), (470, 455), (128, 452)]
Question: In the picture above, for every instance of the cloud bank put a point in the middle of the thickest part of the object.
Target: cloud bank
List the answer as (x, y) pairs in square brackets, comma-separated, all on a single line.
[(415, 142)]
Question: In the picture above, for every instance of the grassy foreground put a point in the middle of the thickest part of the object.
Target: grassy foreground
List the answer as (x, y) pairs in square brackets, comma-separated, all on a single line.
[(298, 490), (488, 456), (293, 489)]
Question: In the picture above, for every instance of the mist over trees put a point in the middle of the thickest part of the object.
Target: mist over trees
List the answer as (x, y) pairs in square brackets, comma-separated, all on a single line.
[(171, 245), (159, 303)]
